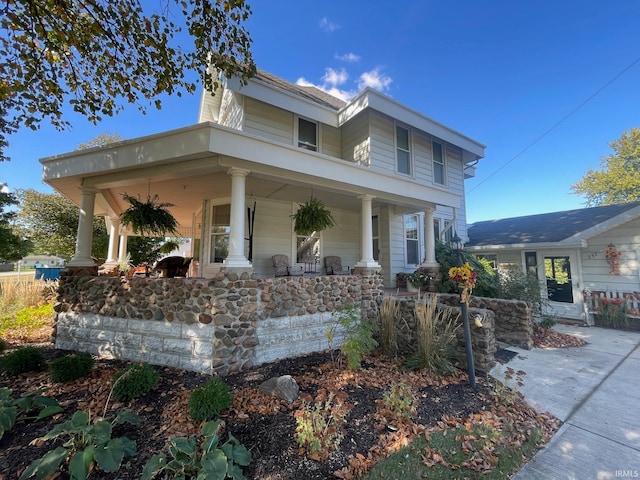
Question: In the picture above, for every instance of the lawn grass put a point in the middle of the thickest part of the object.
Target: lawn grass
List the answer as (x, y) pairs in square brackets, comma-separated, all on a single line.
[(24, 312), (442, 455)]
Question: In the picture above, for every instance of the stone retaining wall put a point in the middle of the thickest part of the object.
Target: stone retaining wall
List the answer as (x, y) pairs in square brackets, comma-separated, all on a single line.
[(482, 338), (224, 324), (513, 318)]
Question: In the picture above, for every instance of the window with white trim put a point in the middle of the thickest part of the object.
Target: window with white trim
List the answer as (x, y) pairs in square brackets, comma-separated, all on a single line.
[(403, 150), (412, 238), (438, 163), (220, 228), (307, 134)]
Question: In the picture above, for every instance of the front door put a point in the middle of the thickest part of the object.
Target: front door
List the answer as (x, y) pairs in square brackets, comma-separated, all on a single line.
[(561, 284)]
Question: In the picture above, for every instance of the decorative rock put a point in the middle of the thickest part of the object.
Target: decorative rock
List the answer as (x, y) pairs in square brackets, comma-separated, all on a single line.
[(284, 387)]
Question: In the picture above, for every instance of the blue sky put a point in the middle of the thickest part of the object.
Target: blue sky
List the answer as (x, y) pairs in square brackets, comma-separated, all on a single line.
[(545, 85)]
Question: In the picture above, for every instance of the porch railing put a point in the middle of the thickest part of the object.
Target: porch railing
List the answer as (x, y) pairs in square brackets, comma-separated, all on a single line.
[(591, 297)]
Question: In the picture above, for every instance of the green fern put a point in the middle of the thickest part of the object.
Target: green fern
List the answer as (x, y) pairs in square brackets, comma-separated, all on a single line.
[(150, 217)]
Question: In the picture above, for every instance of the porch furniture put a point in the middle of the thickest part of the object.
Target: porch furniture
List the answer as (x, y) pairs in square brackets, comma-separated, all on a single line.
[(282, 268), (333, 266), (175, 266)]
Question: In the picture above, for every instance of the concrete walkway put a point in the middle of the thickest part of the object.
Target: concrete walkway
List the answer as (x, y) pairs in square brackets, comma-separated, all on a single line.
[(595, 391)]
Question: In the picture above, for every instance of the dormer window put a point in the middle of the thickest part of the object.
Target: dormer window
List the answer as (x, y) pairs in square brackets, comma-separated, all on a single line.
[(403, 150), (307, 134)]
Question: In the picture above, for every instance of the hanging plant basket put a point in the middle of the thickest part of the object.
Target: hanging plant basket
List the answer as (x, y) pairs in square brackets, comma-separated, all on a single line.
[(150, 217), (312, 216)]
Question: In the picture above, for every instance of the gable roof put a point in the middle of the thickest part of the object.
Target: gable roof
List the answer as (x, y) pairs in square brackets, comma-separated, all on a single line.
[(555, 227), (309, 92)]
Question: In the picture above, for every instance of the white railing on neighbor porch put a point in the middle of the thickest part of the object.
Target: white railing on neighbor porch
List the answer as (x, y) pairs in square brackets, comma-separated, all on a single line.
[(591, 302)]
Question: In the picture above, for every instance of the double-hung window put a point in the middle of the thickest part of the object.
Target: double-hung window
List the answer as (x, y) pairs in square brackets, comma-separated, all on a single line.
[(412, 239), (307, 134), (220, 227), (438, 163), (403, 150)]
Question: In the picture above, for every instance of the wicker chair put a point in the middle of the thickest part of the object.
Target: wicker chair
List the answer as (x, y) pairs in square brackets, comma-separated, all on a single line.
[(333, 266), (281, 267)]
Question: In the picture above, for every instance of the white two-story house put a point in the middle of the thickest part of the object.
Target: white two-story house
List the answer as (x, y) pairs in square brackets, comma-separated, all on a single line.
[(392, 177)]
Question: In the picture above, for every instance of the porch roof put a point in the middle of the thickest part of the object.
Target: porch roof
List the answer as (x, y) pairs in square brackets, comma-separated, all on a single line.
[(563, 228)]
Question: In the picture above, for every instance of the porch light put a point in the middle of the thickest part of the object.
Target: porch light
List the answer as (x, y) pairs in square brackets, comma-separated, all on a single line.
[(457, 245)]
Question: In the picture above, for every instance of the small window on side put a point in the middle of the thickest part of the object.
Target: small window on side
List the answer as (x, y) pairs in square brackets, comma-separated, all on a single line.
[(307, 135), (438, 163)]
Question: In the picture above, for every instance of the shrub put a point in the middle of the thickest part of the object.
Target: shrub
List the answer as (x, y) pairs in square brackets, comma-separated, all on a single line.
[(612, 312), (517, 285), (436, 333), (359, 332), (547, 322), (401, 400), (209, 461), (389, 315), (70, 367), (207, 401), (24, 359), (133, 382), (486, 282), (3, 345)]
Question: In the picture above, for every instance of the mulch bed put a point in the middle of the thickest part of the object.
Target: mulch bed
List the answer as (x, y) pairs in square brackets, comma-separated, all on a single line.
[(264, 424)]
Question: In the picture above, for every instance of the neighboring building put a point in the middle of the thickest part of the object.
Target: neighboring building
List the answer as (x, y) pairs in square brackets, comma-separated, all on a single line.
[(392, 177), (42, 261), (595, 249)]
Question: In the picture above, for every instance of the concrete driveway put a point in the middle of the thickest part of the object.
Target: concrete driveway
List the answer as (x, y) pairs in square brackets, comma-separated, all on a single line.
[(595, 391)]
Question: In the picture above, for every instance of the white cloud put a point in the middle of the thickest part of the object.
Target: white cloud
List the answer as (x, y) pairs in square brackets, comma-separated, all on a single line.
[(327, 25), (375, 79), (332, 79), (4, 188), (335, 77), (348, 57)]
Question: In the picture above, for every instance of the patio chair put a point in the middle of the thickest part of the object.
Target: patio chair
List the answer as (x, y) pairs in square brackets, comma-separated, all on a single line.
[(175, 266), (333, 266), (282, 268)]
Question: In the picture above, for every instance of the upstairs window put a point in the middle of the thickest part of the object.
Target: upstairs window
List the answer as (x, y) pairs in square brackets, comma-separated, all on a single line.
[(438, 163), (403, 150), (307, 134)]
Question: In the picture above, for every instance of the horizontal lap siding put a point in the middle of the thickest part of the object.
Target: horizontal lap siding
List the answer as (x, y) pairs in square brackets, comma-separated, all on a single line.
[(272, 234), (267, 121), (343, 240), (383, 155), (208, 109), (355, 140), (396, 244), (331, 139), (455, 184), (595, 268), (231, 112), (422, 158)]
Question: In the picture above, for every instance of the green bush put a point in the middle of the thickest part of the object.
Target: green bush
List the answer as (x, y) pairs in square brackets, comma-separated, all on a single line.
[(207, 401), (517, 285), (24, 359), (358, 334), (133, 382), (3, 345), (70, 367), (487, 280), (547, 321)]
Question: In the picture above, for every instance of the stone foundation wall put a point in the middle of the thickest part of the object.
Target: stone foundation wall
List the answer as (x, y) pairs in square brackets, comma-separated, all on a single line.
[(513, 318), (224, 324)]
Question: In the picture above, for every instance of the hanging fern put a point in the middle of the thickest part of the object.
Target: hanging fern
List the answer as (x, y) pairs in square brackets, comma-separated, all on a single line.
[(312, 216), (151, 217)]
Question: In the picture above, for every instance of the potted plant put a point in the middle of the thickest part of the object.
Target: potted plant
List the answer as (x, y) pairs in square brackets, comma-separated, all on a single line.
[(150, 217), (312, 216), (416, 281)]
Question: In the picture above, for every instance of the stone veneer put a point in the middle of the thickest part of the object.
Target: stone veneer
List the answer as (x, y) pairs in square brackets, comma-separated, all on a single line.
[(223, 325), (513, 318), (482, 338)]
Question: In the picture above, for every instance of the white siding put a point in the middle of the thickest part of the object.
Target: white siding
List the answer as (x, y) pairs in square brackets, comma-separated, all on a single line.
[(231, 111), (595, 268), (422, 158), (342, 240), (356, 145), (383, 154), (331, 140), (267, 121), (208, 109), (271, 235), (397, 246), (453, 164)]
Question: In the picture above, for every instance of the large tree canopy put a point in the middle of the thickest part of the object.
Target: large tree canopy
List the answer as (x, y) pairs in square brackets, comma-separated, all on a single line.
[(12, 246), (51, 222), (618, 181), (100, 54)]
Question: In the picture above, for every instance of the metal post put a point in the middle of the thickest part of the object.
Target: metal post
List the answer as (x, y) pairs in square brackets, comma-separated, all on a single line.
[(467, 342)]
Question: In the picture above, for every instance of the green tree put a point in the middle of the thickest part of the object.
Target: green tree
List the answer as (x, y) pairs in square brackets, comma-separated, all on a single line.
[(144, 249), (618, 181), (12, 246), (51, 222), (98, 55)]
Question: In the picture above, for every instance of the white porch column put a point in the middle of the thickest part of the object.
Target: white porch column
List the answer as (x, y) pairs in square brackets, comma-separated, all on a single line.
[(430, 240), (122, 250), (114, 233), (82, 256), (366, 237), (236, 257)]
